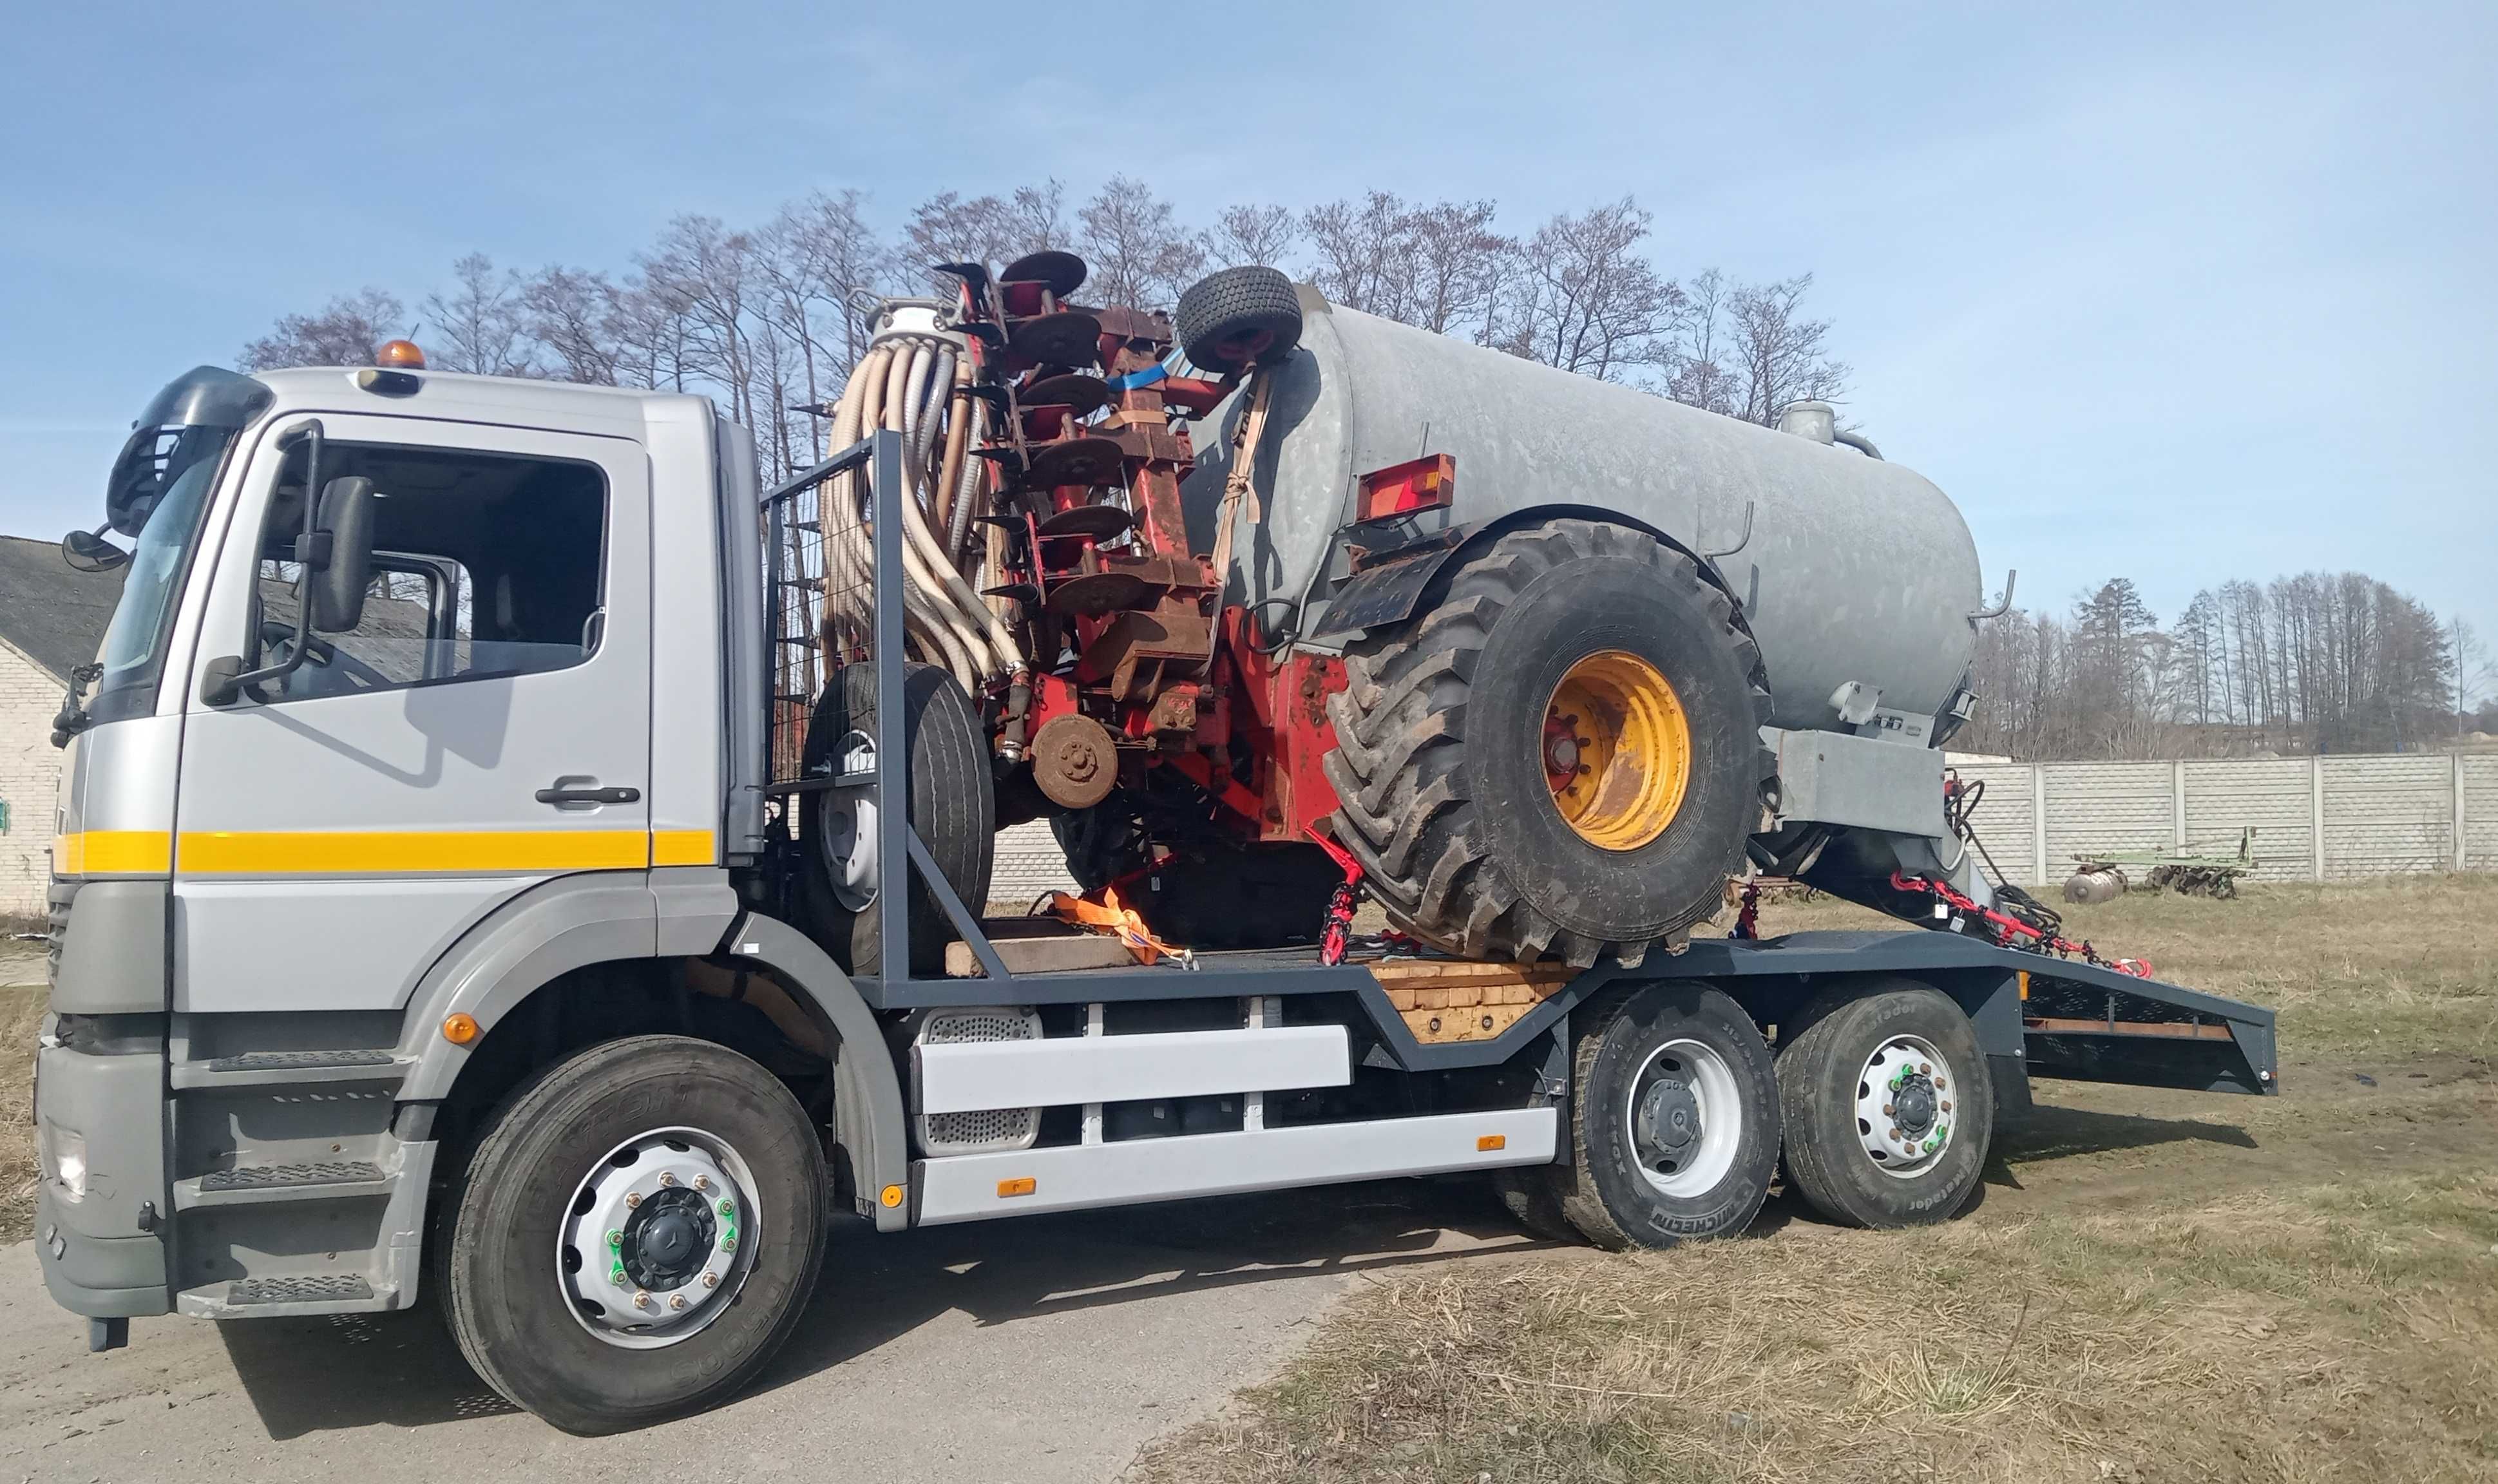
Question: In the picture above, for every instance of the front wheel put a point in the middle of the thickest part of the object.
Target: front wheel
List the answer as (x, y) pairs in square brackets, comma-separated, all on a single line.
[(1888, 1106), (636, 1234), (1673, 1120)]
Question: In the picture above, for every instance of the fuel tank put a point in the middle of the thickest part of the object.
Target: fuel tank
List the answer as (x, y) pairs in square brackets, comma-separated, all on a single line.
[(1855, 568)]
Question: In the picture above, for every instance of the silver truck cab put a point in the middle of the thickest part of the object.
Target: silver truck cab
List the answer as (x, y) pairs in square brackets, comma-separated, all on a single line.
[(269, 900)]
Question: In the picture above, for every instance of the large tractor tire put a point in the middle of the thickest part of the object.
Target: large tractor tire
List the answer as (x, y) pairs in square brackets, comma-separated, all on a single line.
[(1560, 754), (953, 805)]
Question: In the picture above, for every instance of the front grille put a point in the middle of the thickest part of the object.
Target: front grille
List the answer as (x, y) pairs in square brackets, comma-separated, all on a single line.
[(56, 921)]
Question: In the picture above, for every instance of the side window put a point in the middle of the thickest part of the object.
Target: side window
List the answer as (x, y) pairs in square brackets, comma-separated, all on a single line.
[(484, 564)]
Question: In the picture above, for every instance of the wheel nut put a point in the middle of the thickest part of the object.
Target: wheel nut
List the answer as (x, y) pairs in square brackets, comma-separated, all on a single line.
[(711, 1280), (1947, 1105), (632, 1198), (676, 1301), (667, 1177), (702, 1183), (1921, 1067), (1886, 1110), (1939, 1084), (728, 1207), (641, 1301), (1896, 1134)]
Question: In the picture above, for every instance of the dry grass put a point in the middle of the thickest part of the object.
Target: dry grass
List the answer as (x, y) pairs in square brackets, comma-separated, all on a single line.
[(20, 1009), (2395, 967), (2157, 1285), (2344, 1331)]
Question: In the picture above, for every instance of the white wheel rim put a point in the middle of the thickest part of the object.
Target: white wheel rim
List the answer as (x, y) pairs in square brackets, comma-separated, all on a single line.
[(1690, 1156), (638, 1266), (1906, 1101), (848, 820)]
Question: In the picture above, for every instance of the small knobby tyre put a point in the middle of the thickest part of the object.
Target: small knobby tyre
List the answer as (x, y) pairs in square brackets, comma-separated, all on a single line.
[(1439, 765), (511, 1202), (1228, 319), (1823, 1082), (953, 805), (1617, 1191)]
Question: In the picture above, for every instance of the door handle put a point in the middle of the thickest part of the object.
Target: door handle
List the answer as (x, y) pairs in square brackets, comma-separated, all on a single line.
[(617, 795)]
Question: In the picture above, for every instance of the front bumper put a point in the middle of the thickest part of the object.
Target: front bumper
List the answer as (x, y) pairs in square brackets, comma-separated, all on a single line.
[(102, 1255)]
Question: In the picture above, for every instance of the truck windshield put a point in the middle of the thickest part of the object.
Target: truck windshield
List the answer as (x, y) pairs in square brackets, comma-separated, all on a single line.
[(159, 492)]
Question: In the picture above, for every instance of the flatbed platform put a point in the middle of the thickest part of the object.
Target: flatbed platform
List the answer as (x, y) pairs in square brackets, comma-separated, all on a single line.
[(2037, 1016)]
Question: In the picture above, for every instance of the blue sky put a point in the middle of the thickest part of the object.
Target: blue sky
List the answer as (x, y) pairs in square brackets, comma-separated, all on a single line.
[(2179, 292)]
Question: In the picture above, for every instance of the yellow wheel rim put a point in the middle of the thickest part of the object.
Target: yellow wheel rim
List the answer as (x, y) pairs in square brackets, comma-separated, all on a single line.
[(1617, 750)]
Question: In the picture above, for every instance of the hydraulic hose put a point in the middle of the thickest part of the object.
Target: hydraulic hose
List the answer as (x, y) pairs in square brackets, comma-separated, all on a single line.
[(905, 384)]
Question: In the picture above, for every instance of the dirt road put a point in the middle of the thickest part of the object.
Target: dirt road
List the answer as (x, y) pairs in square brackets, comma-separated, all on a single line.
[(1049, 1349)]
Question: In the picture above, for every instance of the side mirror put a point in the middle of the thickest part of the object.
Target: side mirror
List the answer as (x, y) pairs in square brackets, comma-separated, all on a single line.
[(340, 561), (87, 551)]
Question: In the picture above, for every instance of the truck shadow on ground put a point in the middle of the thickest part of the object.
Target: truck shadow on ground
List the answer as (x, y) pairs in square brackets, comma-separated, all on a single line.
[(404, 1369), (311, 1375)]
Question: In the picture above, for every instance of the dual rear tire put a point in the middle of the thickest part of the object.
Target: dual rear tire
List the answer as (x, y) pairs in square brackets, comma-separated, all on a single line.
[(1878, 1104)]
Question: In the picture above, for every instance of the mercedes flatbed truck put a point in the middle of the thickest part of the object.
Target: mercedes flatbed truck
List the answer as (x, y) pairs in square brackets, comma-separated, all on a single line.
[(455, 894)]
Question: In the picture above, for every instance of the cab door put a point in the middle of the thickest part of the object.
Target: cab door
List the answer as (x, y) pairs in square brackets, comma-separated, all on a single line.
[(484, 728)]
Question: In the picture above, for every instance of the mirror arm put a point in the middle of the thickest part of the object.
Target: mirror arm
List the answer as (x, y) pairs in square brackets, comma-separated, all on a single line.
[(226, 677)]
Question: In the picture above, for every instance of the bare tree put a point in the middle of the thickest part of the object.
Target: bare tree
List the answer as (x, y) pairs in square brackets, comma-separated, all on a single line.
[(1363, 260), (483, 326), (1591, 303), (1456, 262), (1779, 356), (346, 331), (572, 316), (1745, 349), (1138, 253), (1246, 235), (825, 266), (947, 228), (707, 276)]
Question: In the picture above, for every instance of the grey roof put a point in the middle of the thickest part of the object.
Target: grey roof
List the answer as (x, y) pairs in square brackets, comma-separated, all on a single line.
[(51, 611)]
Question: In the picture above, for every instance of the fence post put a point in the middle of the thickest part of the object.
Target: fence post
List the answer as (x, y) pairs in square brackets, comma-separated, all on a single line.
[(2038, 823), (2456, 758), (2316, 810), (2177, 800)]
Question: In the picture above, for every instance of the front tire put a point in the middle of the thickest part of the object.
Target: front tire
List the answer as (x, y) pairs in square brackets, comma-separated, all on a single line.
[(713, 1262), (1673, 1120), (1888, 1107)]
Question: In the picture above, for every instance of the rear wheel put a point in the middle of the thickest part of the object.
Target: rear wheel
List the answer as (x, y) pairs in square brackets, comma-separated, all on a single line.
[(1888, 1107), (636, 1233), (1673, 1120), (1562, 755)]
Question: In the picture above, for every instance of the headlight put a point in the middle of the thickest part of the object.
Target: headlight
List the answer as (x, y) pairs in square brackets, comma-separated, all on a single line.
[(64, 1158)]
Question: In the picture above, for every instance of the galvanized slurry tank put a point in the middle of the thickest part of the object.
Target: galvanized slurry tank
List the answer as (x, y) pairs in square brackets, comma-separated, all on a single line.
[(1857, 570)]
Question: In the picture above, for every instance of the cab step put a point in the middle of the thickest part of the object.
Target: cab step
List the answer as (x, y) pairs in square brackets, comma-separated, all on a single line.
[(251, 1185), (262, 1069), (275, 1298)]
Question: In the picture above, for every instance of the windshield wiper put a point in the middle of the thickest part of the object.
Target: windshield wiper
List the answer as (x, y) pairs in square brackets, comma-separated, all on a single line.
[(72, 718)]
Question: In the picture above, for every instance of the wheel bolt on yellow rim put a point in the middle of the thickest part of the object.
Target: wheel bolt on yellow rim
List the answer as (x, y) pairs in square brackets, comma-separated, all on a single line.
[(1617, 750)]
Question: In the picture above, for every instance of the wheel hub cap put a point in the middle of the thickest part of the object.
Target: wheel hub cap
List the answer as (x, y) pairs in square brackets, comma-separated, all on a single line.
[(1669, 1115), (1684, 1119), (1617, 750), (658, 1239), (847, 840), (1905, 1096)]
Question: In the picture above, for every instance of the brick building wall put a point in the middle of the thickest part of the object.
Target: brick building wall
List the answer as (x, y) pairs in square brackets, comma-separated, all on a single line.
[(30, 777)]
